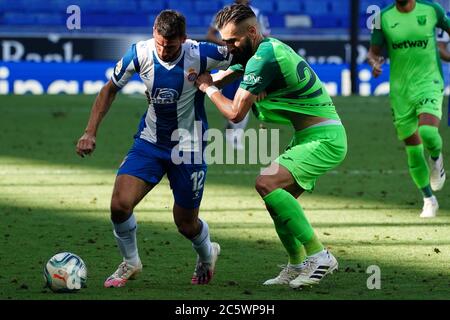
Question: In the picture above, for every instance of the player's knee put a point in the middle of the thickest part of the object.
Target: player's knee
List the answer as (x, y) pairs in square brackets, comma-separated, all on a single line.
[(264, 185), (120, 209), (428, 133)]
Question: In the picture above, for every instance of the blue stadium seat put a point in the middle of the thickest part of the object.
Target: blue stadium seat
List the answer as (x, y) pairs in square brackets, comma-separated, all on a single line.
[(329, 21), (276, 20), (8, 5), (40, 6), (14, 18), (180, 5), (49, 19), (61, 5), (203, 6), (289, 6), (110, 20), (316, 7), (339, 7), (199, 13), (151, 21), (195, 20), (91, 6), (129, 6), (99, 19), (208, 20), (264, 5), (133, 20), (154, 6)]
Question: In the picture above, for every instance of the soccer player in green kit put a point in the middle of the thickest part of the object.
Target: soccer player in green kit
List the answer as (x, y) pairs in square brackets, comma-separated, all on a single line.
[(295, 96), (407, 29)]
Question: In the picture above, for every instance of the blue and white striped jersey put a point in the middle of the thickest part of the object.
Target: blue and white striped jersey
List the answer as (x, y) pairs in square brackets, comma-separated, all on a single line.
[(175, 103)]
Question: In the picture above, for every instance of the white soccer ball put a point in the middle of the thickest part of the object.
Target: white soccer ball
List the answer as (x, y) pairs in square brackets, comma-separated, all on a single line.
[(65, 272)]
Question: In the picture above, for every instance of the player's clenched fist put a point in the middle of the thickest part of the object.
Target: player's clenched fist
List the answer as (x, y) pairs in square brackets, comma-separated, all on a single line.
[(86, 144), (376, 67)]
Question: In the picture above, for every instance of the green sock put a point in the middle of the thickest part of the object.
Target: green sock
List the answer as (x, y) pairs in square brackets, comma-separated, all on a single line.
[(313, 246), (431, 140), (294, 248), (287, 213), (418, 167)]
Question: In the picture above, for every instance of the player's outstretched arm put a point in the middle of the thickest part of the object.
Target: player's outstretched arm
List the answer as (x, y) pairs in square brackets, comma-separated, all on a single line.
[(102, 103), (234, 110), (223, 78), (375, 60)]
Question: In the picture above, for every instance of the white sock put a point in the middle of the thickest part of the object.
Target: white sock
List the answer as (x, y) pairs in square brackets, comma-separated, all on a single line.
[(202, 243), (125, 234), (295, 266), (318, 254)]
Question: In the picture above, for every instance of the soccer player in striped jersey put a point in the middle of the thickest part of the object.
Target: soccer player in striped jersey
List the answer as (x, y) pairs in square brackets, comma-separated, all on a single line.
[(168, 64), (408, 30), (294, 96)]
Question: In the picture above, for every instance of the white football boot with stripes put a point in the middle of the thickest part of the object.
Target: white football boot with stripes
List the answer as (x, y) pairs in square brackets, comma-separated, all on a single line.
[(314, 269), (437, 173), (287, 274)]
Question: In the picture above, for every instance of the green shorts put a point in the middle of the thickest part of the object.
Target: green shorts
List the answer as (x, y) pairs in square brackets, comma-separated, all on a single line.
[(314, 151), (406, 111)]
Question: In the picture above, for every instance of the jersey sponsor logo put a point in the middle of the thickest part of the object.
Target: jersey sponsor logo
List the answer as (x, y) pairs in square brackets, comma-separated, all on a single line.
[(422, 20), (164, 96), (118, 67), (257, 57), (410, 44), (252, 78)]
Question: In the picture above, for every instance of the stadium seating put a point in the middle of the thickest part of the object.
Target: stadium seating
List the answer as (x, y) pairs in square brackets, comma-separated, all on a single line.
[(109, 15)]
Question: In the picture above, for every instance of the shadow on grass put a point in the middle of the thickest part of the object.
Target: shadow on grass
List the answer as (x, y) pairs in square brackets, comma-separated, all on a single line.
[(51, 125), (31, 236)]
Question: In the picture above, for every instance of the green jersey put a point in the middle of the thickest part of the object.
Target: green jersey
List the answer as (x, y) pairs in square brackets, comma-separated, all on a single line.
[(411, 43), (290, 83)]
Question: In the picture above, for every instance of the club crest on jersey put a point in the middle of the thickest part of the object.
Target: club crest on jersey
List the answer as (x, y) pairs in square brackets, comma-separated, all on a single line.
[(192, 75), (118, 67), (164, 96), (422, 20)]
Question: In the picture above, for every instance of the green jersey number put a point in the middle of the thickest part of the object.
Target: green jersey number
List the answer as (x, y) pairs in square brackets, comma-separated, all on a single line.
[(303, 69)]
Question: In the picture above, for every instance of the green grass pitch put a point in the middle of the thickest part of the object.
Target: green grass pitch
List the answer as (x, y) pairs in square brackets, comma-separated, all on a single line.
[(366, 211)]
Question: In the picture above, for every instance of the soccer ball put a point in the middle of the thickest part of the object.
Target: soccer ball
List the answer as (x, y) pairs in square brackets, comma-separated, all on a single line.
[(65, 272)]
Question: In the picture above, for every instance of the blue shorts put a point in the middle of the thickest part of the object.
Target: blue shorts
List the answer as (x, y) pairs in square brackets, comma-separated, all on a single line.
[(149, 162)]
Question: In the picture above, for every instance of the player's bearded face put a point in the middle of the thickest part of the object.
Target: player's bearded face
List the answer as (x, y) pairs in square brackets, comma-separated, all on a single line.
[(243, 51)]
